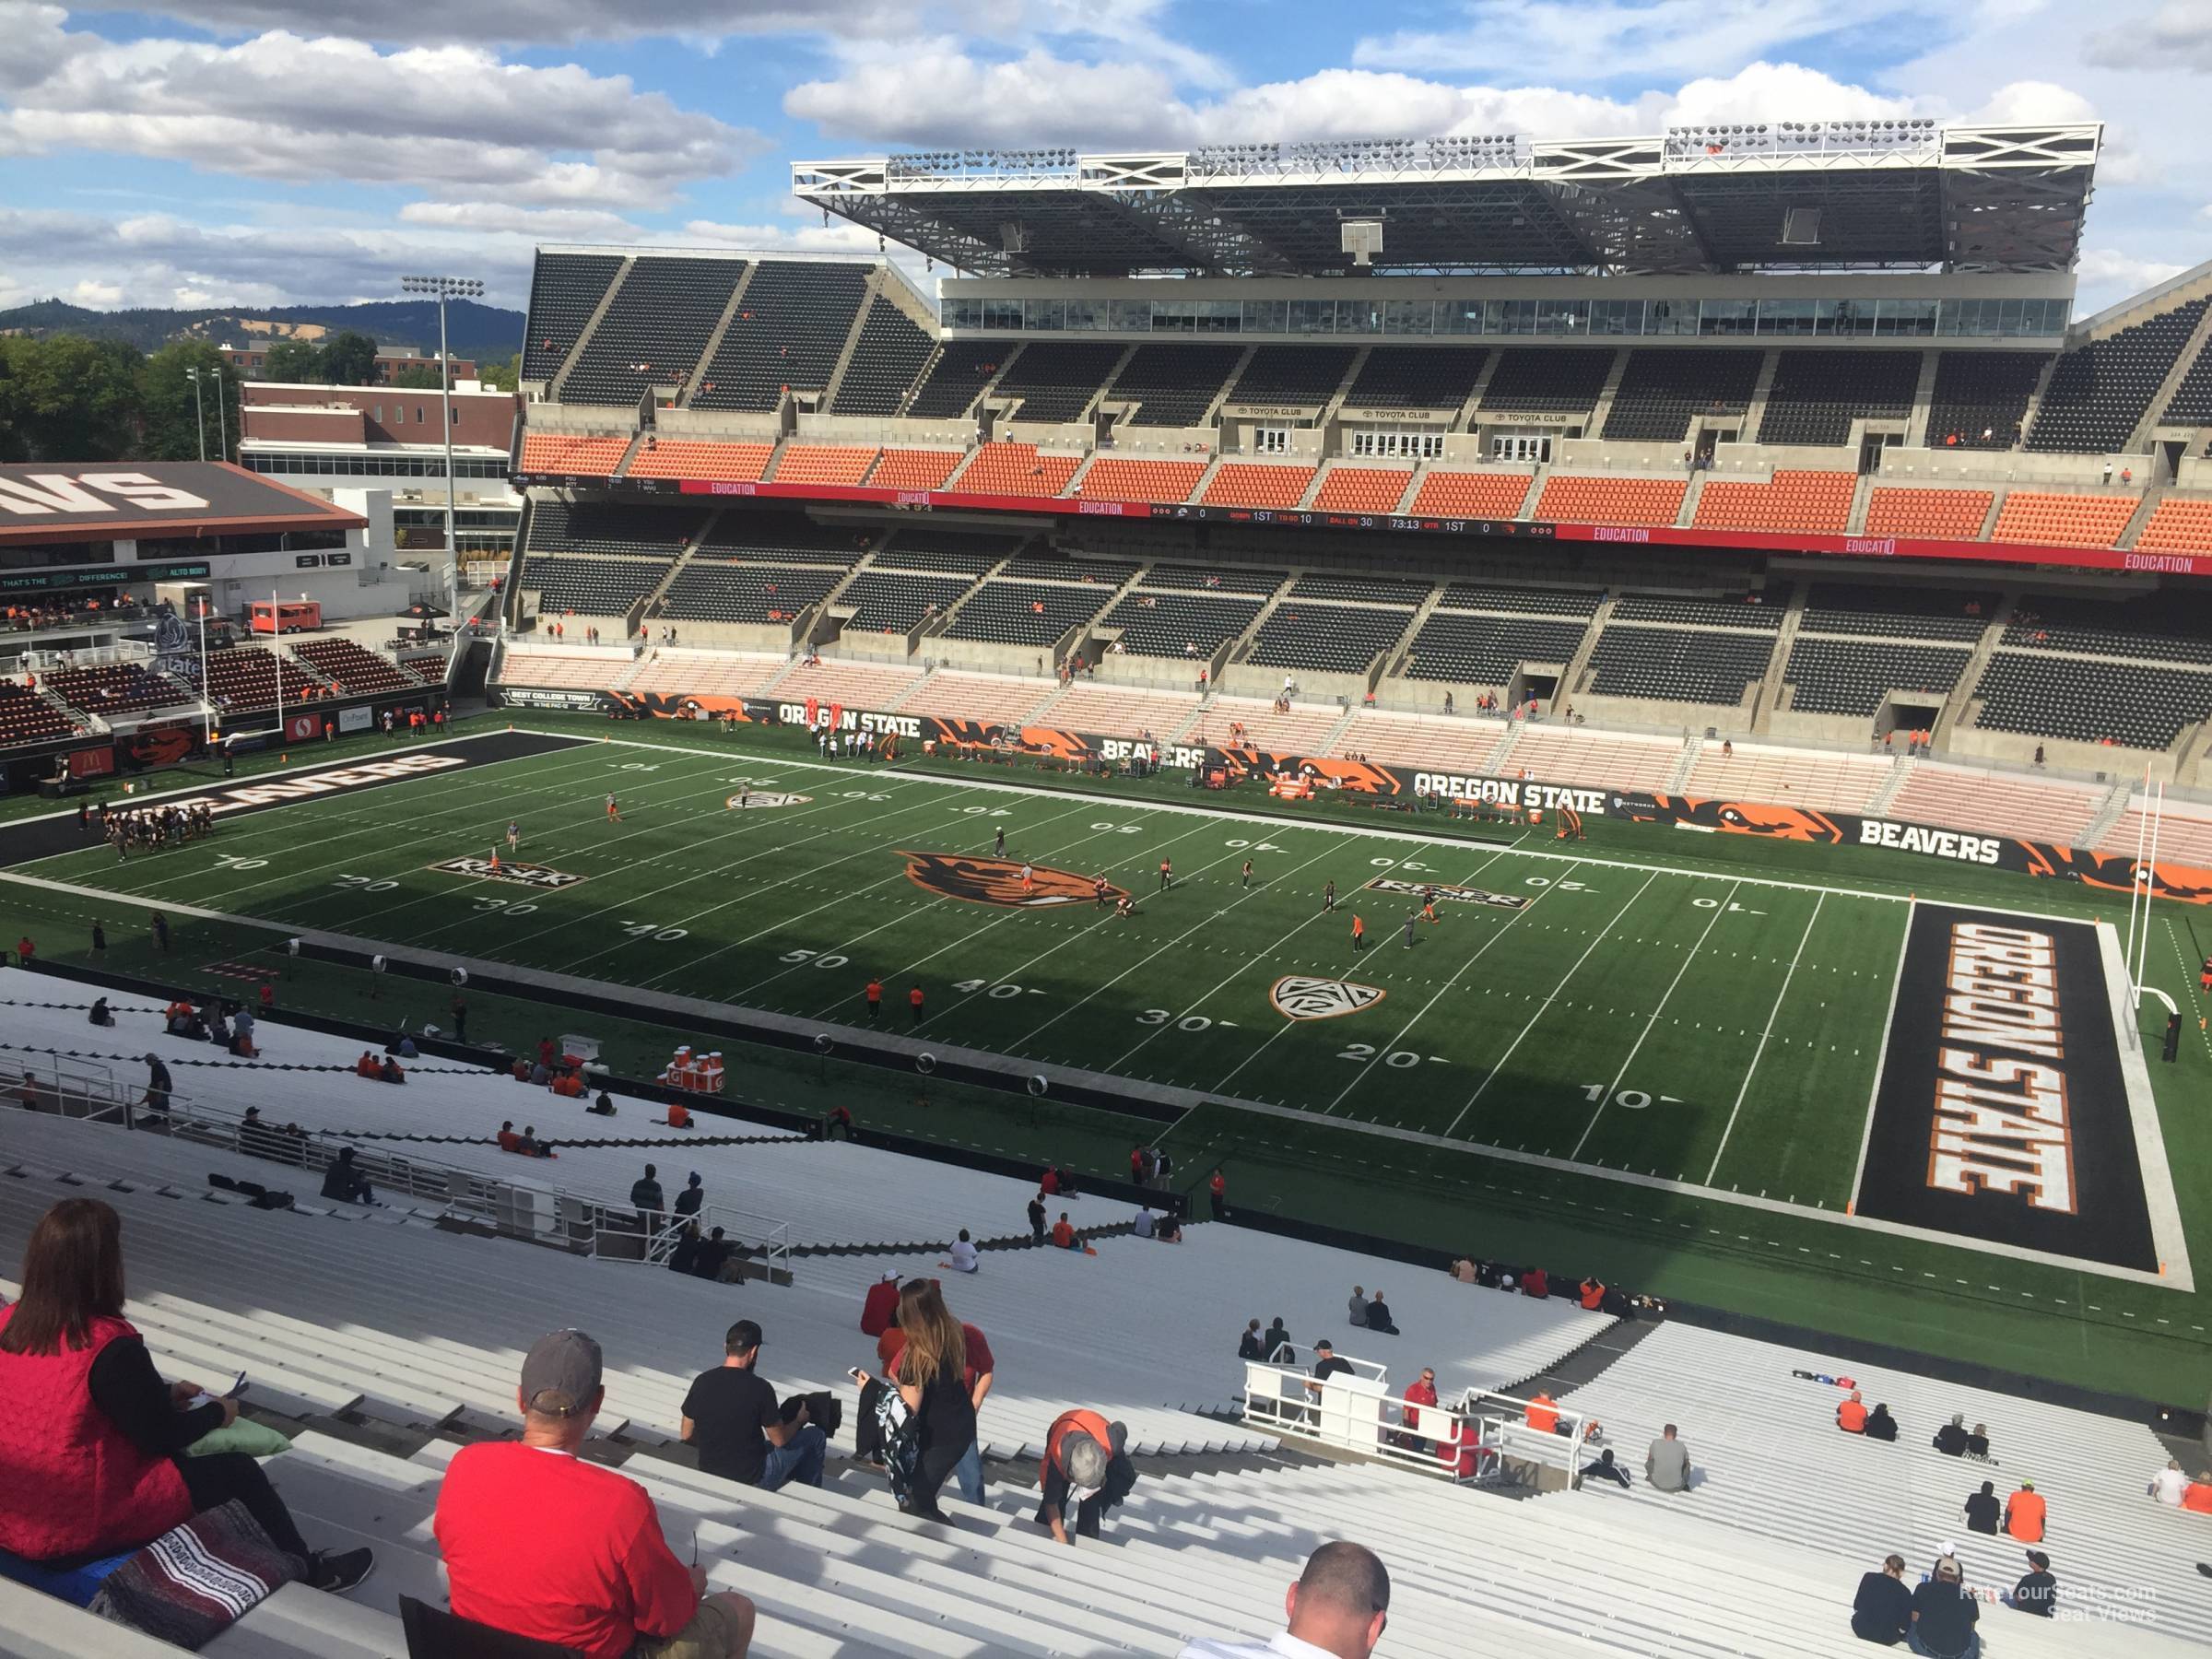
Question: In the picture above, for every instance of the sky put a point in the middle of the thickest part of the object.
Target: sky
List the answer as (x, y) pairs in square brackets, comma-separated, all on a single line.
[(266, 152)]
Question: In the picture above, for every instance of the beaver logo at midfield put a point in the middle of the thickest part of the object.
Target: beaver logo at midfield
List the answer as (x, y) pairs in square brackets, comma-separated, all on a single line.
[(979, 880)]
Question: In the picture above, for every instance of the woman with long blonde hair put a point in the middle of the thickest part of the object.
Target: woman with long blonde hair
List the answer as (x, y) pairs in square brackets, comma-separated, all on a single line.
[(930, 1377)]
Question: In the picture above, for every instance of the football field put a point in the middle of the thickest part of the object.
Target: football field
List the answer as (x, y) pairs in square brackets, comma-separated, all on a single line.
[(1721, 1031)]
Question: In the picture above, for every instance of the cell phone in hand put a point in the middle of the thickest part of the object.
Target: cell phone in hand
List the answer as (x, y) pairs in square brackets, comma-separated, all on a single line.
[(858, 1376), (238, 1386)]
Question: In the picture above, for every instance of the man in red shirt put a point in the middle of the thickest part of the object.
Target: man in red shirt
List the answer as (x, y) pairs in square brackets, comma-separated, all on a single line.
[(541, 1544), (1417, 1394), (1216, 1189)]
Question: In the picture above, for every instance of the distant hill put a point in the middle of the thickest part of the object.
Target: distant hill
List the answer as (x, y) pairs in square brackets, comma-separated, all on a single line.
[(482, 332)]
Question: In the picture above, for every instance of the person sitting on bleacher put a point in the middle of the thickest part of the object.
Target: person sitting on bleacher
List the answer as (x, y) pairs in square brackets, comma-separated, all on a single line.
[(1851, 1415), (1882, 1611), (1880, 1425), (1950, 1440), (509, 1140), (92, 1439), (2197, 1499), (102, 1014), (541, 1544), (2037, 1592), (1667, 1463), (1983, 1510), (344, 1183), (962, 1255), (1337, 1610), (366, 1067), (1378, 1316), (731, 1416), (1535, 1282), (1943, 1616), (1605, 1468)]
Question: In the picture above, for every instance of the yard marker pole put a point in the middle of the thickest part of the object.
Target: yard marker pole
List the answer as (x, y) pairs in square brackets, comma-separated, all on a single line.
[(2134, 880), (2150, 889), (276, 651)]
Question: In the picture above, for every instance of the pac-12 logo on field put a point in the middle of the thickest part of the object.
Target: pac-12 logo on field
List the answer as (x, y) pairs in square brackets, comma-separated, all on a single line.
[(998, 881), (526, 874), (1303, 996), (748, 799)]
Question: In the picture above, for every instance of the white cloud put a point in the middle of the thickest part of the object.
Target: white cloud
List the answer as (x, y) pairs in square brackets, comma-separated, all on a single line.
[(283, 107), (2108, 270), (564, 21), (2178, 36), (935, 92), (95, 293), (551, 224)]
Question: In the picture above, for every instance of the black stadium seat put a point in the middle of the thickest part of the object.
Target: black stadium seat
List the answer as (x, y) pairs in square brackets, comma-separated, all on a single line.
[(1850, 677), (655, 330), (962, 370), (886, 359), (565, 290), (1662, 392), (790, 328), (1816, 396), (1677, 664), (1340, 639), (2101, 389), (1173, 385)]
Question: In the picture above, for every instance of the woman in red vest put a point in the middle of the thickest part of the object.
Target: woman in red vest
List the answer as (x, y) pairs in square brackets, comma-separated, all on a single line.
[(91, 1443)]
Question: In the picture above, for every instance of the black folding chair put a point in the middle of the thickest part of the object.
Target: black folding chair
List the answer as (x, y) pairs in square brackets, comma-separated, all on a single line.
[(433, 1633)]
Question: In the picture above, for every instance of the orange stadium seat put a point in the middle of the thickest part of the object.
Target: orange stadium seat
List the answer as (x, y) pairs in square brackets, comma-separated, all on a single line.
[(1018, 469), (2178, 527), (2064, 520), (1570, 500), (558, 452), (1124, 479), (1934, 514), (1362, 489), (824, 464), (675, 458), (1474, 495), (1250, 485), (1792, 501), (914, 468)]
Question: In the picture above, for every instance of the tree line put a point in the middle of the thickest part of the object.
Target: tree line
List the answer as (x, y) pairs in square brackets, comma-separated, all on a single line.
[(66, 397)]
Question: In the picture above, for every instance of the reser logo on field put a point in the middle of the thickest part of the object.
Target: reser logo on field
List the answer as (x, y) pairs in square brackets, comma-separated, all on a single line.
[(523, 874)]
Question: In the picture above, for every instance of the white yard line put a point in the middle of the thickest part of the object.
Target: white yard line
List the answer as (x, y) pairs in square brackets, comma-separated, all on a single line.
[(1711, 923), (1492, 1075), (1773, 1015), (2152, 1167), (1882, 1059)]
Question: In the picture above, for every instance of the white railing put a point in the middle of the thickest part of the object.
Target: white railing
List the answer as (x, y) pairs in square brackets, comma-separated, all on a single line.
[(79, 1088), (1479, 1437), (622, 1233)]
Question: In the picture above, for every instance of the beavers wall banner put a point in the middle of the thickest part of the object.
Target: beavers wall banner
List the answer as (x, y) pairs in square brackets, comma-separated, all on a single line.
[(2109, 872)]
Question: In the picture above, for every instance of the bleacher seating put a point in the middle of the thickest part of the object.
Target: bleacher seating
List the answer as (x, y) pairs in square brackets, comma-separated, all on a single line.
[(915, 468), (1928, 514), (604, 527), (1212, 579), (1362, 489), (655, 330), (1127, 479), (959, 552), (1793, 500), (886, 357), (1591, 759), (2184, 833), (790, 328), (1065, 562), (554, 667), (2171, 625), (27, 718), (784, 538), (963, 368), (1338, 638), (1541, 379), (2101, 389), (1982, 391), (683, 458), (1056, 379), (1443, 743), (854, 685), (1960, 797), (558, 452), (824, 463), (350, 669), (1816, 396), (1294, 376), (1180, 624), (594, 587), (2062, 520), (1006, 699), (685, 673), (1487, 650), (1536, 601), (1025, 613), (1911, 613), (1368, 590), (564, 291), (1663, 391), (1676, 665), (1824, 782), (127, 688), (1302, 731), (1003, 468), (704, 592), (2090, 702), (1479, 495), (896, 602), (1749, 610), (2178, 525), (246, 677), (1581, 500), (1121, 711), (1851, 676), (1416, 377), (1174, 386), (1256, 484)]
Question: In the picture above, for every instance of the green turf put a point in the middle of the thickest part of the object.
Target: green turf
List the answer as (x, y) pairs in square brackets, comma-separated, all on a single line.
[(1667, 1004)]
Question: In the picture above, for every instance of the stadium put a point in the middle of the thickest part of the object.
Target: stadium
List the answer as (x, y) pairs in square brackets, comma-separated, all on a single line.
[(1610, 734)]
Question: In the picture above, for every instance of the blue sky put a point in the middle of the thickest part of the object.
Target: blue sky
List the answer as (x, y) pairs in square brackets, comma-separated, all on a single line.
[(266, 151)]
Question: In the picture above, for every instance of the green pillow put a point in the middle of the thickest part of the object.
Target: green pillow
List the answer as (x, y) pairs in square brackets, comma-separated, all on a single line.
[(256, 1440)]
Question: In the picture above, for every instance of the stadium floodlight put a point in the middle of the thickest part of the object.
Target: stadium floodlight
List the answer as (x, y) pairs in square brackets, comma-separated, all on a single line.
[(443, 288), (199, 411)]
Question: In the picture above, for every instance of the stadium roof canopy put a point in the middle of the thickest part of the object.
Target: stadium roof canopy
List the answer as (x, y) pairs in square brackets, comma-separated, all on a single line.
[(167, 501), (1818, 195)]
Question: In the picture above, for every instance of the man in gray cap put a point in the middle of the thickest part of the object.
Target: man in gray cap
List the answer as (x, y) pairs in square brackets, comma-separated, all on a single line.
[(541, 1544), (1085, 1467)]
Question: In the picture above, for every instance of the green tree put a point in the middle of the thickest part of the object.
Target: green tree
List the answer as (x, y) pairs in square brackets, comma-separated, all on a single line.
[(417, 377), (174, 417), (292, 360), (349, 358), (69, 398), (502, 374)]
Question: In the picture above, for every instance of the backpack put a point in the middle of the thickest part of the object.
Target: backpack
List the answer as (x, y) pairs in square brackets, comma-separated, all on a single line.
[(899, 1438)]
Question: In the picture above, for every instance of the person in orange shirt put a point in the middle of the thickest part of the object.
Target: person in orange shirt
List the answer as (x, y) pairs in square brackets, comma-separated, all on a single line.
[(1358, 933), (1544, 1414), (874, 1001), (679, 1116), (1064, 1234), (2024, 1513), (1850, 1417), (2197, 1499), (1594, 1294), (913, 1001)]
